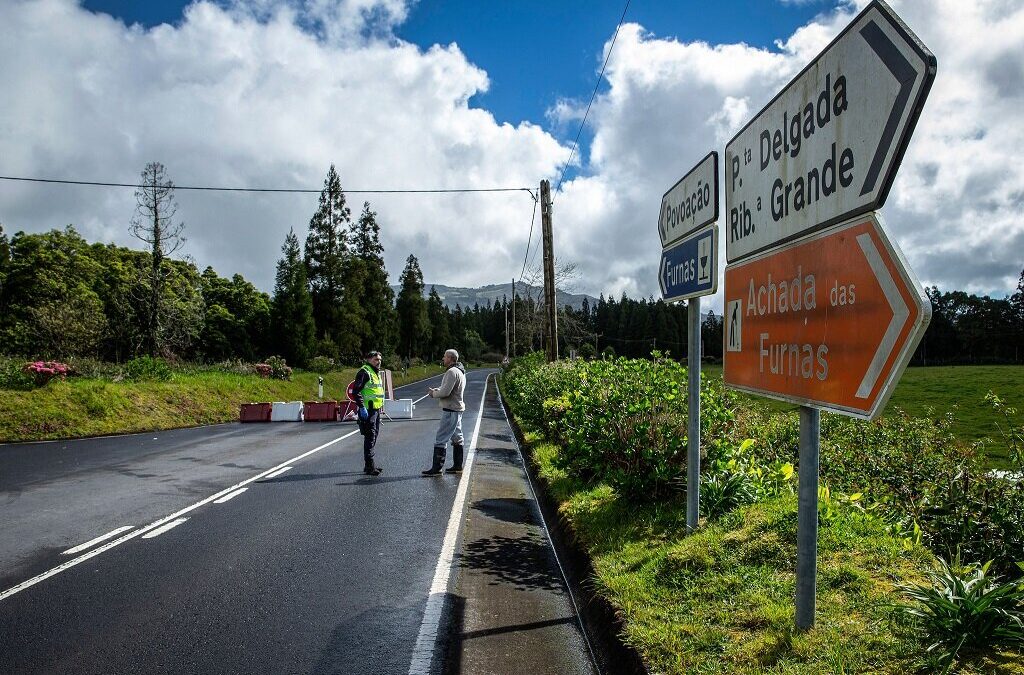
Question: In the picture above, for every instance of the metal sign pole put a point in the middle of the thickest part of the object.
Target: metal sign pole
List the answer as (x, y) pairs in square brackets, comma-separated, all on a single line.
[(807, 517), (693, 416)]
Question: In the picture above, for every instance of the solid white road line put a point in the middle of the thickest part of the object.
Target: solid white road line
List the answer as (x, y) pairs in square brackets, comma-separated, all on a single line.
[(92, 542), (159, 523), (231, 496), (163, 528), (426, 641), (278, 472)]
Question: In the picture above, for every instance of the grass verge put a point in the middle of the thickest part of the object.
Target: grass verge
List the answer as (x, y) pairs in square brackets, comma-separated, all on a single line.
[(721, 600), (933, 391), (82, 407)]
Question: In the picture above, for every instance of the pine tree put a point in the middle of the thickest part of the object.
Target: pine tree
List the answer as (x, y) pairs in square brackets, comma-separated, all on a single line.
[(292, 322), (437, 316), (413, 327), (378, 300), (326, 251), (155, 226)]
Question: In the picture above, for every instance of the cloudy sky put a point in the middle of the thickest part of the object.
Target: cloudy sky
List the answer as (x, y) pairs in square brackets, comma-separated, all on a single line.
[(401, 94)]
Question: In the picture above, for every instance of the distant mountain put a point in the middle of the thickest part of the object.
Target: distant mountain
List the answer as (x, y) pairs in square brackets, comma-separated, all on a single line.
[(467, 297)]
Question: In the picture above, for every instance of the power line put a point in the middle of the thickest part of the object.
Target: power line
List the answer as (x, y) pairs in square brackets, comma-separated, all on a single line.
[(207, 188), (593, 96), (529, 239)]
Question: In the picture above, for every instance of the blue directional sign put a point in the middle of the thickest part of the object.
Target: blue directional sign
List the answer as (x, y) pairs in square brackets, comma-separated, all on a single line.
[(689, 269)]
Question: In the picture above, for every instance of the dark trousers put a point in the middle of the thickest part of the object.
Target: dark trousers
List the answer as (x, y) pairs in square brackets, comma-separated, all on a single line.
[(370, 429)]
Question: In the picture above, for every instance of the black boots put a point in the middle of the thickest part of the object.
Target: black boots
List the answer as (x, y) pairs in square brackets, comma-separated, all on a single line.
[(435, 468), (371, 469), (457, 456)]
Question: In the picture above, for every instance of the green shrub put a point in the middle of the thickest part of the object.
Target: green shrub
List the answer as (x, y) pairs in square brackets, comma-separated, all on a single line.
[(964, 609), (147, 368), (321, 364), (13, 376), (621, 421), (279, 370)]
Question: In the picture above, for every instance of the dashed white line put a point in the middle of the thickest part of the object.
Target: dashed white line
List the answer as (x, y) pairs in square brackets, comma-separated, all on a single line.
[(426, 641), (159, 523), (92, 542), (163, 528), (230, 496), (278, 472)]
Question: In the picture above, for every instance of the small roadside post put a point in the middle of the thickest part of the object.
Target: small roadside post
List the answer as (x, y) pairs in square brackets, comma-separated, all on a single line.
[(687, 271), (821, 309), (320, 387)]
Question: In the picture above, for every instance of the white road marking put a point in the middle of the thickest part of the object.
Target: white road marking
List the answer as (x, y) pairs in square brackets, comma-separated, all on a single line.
[(159, 523), (231, 495), (278, 472), (163, 528), (92, 542), (426, 641)]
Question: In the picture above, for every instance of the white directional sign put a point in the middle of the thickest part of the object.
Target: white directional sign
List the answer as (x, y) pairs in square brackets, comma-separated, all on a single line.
[(692, 203), (828, 145)]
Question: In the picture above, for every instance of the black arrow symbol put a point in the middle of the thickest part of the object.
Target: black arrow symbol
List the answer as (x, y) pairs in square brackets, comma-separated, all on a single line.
[(906, 76)]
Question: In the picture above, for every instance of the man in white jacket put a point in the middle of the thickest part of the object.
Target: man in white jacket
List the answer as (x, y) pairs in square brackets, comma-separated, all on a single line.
[(449, 397)]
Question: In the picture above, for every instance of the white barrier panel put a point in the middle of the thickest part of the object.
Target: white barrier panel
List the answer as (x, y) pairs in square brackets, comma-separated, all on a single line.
[(399, 408), (286, 412)]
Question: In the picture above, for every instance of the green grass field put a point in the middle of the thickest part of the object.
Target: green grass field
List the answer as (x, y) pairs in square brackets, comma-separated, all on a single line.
[(931, 392)]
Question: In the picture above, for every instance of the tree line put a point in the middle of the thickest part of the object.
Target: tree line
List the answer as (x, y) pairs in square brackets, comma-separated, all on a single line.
[(61, 296)]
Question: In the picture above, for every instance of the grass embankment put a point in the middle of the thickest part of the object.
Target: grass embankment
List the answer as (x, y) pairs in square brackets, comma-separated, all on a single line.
[(934, 391), (722, 600), (82, 407)]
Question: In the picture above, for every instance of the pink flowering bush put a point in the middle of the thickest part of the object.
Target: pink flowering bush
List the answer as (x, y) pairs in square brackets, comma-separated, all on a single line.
[(275, 367), (44, 371)]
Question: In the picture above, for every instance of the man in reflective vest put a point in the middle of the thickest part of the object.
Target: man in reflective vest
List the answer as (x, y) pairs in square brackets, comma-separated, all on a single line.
[(368, 391)]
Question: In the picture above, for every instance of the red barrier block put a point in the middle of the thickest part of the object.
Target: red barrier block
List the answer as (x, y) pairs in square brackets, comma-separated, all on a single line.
[(320, 411), (254, 412)]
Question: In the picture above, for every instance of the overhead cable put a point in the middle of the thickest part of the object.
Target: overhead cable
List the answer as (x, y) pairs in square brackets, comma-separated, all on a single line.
[(284, 190), (593, 96)]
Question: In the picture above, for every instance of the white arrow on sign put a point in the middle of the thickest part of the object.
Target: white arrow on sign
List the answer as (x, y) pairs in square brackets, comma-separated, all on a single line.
[(828, 146)]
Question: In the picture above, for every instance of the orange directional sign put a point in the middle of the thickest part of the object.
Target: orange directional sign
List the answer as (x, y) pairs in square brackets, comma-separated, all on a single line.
[(830, 320)]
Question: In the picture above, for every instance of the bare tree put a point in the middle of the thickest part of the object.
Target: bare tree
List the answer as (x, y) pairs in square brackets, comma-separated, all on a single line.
[(532, 323), (154, 225)]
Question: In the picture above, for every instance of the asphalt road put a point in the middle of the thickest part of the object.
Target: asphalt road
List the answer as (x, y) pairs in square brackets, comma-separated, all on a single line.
[(318, 569)]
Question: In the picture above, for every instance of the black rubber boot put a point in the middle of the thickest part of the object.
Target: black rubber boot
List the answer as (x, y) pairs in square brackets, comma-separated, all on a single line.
[(371, 469), (435, 469), (457, 456)]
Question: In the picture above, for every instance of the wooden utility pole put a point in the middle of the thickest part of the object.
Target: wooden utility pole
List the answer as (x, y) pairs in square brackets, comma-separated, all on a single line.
[(549, 272)]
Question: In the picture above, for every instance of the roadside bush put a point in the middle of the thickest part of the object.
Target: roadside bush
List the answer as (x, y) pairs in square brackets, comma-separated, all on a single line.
[(274, 368), (321, 364), (147, 368), (44, 371), (620, 421), (964, 609), (13, 375)]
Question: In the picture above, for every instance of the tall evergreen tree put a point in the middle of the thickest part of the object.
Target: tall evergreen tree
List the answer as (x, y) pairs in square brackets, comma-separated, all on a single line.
[(413, 327), (437, 316), (155, 226), (326, 250), (378, 299), (292, 322)]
